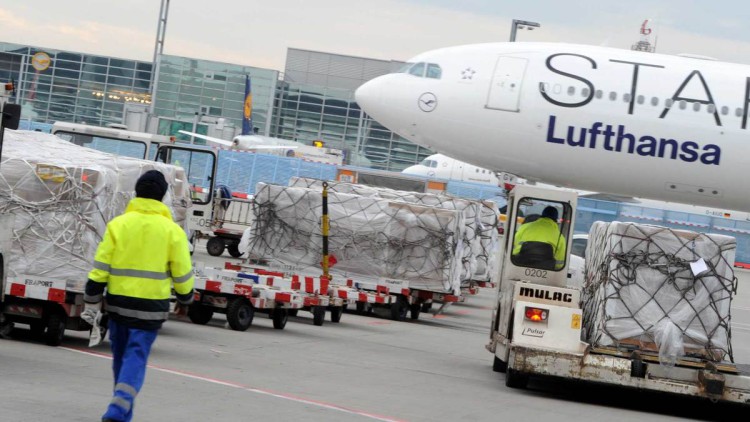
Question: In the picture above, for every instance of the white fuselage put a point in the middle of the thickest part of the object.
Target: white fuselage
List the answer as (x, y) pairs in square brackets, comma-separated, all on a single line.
[(591, 118), (440, 166)]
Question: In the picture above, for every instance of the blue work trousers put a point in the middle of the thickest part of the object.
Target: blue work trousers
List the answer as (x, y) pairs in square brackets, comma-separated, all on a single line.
[(130, 350)]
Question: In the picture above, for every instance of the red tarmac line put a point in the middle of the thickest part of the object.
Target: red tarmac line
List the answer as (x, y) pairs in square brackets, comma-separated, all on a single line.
[(246, 388)]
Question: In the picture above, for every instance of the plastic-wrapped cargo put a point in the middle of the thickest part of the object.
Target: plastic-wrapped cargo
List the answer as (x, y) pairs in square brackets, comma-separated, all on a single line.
[(659, 289), (369, 237), (61, 197), (481, 219)]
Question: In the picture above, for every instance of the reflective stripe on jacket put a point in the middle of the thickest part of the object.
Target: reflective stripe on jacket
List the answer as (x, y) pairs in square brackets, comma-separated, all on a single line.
[(542, 230), (143, 253)]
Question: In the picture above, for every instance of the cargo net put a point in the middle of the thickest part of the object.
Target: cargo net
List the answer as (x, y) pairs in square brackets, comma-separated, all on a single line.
[(369, 237), (478, 262), (640, 291), (58, 198)]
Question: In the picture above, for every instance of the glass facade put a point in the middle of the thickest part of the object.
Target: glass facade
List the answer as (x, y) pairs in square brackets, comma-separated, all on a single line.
[(315, 101), (190, 90), (312, 100), (73, 87)]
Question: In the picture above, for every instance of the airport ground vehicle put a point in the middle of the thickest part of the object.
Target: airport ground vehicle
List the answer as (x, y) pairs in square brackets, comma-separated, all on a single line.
[(537, 322), (112, 139)]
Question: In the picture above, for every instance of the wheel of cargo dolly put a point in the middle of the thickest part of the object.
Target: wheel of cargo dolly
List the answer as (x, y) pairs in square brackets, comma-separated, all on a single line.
[(498, 365), (37, 328), (280, 317), (414, 310), (426, 307), (292, 312), (234, 250), (240, 314), (55, 330), (515, 379), (215, 246), (200, 314), (319, 315), (361, 306), (399, 309), (336, 313)]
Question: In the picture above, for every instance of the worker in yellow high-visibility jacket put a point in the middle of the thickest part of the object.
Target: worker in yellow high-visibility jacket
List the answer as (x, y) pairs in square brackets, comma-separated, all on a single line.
[(544, 230), (142, 255)]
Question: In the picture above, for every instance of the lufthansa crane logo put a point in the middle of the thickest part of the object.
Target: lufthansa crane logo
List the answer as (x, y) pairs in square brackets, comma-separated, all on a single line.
[(427, 102)]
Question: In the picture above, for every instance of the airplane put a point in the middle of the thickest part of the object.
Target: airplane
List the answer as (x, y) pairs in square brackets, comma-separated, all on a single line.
[(443, 167), (287, 148), (599, 119)]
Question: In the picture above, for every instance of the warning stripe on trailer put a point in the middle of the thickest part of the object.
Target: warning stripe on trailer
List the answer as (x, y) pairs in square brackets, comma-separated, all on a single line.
[(35, 291)]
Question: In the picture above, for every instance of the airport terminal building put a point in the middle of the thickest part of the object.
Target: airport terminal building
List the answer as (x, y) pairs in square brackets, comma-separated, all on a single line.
[(312, 99)]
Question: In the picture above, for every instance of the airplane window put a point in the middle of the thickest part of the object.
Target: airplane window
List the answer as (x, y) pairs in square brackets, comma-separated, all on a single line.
[(613, 96), (417, 70), (571, 90), (544, 86), (668, 103), (724, 110), (477, 170), (696, 106), (711, 108), (599, 93), (585, 92), (557, 89), (433, 164), (641, 99), (738, 112), (654, 101), (434, 71), (683, 104), (625, 98)]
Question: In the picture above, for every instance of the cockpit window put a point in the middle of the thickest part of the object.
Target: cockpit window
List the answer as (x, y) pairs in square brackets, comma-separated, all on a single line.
[(417, 70), (434, 71), (429, 163)]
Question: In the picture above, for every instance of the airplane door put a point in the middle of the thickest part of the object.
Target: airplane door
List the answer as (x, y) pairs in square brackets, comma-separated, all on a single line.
[(505, 88)]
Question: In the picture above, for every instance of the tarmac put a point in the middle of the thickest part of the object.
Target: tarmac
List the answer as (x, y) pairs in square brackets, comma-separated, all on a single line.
[(363, 368)]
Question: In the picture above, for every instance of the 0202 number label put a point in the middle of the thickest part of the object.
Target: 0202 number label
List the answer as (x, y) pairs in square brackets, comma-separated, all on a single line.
[(536, 273)]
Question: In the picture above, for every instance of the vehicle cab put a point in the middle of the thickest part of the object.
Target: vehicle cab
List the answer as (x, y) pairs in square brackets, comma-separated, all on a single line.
[(534, 306)]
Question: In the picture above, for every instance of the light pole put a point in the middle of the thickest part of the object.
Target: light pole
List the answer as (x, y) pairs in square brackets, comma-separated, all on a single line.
[(519, 24)]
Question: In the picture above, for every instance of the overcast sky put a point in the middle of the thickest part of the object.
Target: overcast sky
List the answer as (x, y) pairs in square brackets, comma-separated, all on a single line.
[(258, 32)]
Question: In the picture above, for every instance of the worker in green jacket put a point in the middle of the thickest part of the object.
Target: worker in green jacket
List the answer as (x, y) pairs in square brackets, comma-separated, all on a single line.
[(544, 230), (142, 255)]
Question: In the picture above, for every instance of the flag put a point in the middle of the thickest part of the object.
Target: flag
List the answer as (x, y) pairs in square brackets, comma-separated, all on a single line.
[(247, 116)]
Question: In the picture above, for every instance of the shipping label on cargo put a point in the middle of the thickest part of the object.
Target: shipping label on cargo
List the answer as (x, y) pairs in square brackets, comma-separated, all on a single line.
[(51, 173), (547, 294)]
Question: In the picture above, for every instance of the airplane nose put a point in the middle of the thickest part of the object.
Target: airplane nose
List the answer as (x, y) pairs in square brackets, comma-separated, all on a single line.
[(368, 94), (411, 170)]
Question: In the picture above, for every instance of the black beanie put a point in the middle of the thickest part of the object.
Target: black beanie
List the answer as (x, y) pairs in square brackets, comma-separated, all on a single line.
[(151, 185)]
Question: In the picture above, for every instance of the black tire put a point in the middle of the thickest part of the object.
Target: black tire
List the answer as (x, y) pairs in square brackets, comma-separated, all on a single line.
[(319, 315), (426, 307), (399, 309), (361, 307), (37, 328), (336, 313), (414, 310), (215, 246), (200, 314), (292, 312), (499, 366), (240, 314), (515, 379), (55, 332), (234, 251), (280, 317)]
